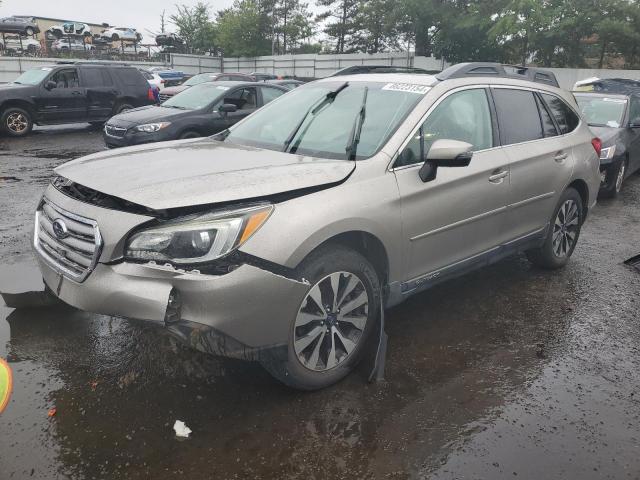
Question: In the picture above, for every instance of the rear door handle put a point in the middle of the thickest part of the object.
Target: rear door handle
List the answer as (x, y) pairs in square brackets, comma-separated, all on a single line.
[(499, 177), (560, 157)]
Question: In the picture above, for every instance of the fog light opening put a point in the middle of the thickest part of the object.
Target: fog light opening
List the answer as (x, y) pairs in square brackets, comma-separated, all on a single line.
[(174, 308)]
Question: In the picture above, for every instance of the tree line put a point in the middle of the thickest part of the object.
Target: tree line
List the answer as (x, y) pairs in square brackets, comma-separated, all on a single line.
[(552, 33)]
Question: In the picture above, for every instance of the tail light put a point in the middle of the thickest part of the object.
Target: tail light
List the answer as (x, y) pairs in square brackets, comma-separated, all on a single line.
[(597, 145), (150, 94)]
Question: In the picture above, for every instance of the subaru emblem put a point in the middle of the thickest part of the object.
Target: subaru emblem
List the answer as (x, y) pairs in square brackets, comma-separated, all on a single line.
[(60, 228)]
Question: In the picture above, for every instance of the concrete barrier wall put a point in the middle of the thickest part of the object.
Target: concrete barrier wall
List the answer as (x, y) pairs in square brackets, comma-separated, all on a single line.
[(304, 66)]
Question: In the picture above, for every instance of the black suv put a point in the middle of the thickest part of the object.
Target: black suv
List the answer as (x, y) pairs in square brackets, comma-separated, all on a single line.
[(70, 93)]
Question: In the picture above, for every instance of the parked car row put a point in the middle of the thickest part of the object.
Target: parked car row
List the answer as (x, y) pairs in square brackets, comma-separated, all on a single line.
[(281, 238), (113, 34)]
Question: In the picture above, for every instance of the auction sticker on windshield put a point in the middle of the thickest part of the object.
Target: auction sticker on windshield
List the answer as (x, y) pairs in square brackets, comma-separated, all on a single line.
[(406, 87), (6, 384)]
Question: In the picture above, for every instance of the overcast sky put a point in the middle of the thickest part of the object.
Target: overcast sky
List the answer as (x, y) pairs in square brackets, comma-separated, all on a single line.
[(142, 15)]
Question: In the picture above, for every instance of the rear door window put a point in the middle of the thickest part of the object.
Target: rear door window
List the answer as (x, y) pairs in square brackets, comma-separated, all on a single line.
[(565, 117), (518, 116), (269, 94)]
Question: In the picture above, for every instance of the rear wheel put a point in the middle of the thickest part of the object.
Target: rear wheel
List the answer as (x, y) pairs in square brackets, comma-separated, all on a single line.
[(334, 321), (16, 122), (564, 230), (29, 31)]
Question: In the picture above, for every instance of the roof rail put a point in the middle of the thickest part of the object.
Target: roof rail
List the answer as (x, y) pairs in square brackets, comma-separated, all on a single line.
[(622, 86), (92, 62), (363, 69), (487, 69)]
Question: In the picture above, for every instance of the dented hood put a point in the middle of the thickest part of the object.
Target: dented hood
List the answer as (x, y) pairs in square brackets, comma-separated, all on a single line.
[(197, 172)]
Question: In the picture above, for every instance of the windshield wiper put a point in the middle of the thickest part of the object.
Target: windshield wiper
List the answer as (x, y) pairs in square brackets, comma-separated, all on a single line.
[(313, 110), (354, 137), (174, 106)]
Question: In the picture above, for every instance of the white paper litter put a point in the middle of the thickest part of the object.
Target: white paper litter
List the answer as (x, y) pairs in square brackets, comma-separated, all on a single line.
[(181, 429)]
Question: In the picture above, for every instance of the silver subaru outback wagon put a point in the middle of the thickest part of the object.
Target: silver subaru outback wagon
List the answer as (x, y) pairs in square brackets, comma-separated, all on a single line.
[(280, 239)]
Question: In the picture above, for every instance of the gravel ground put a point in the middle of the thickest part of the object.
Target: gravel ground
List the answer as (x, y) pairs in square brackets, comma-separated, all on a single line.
[(510, 372)]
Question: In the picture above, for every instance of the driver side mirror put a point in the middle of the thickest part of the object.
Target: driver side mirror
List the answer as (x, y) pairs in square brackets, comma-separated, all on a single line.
[(50, 85), (635, 123), (227, 108), (445, 153)]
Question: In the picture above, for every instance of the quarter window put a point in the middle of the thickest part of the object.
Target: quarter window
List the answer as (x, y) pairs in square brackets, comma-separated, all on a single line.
[(548, 126), (564, 115), (463, 116), (518, 116)]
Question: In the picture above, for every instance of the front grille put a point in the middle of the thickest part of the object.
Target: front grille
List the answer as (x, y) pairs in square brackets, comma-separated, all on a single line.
[(117, 132), (69, 243), (164, 97)]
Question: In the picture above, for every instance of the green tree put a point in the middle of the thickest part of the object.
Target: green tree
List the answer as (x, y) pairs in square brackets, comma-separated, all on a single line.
[(340, 23), (245, 29), (195, 27), (292, 24)]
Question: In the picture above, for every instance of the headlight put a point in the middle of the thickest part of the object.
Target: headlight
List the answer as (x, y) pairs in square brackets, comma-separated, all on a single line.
[(152, 127), (198, 238), (607, 153)]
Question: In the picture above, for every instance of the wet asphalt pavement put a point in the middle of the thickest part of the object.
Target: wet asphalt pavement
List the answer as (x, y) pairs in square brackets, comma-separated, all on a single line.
[(510, 372)]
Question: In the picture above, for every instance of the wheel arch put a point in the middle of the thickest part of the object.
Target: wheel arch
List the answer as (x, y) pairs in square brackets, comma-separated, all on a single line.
[(366, 244), (583, 190), (19, 103)]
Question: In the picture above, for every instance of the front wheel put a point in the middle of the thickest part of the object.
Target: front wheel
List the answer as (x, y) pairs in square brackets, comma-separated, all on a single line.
[(123, 107), (29, 31), (328, 336), (564, 230), (189, 134), (16, 122)]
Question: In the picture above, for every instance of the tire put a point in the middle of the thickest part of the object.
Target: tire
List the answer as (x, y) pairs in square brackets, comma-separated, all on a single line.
[(115, 37), (189, 134), (315, 360), (614, 179), (563, 235), (122, 107), (16, 122), (29, 31)]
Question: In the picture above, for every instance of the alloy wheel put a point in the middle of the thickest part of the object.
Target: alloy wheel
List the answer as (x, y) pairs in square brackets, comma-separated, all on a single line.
[(565, 228), (331, 321), (17, 122), (620, 177)]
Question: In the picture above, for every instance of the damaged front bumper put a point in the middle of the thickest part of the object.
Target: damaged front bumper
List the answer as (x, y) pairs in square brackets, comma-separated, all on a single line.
[(238, 314)]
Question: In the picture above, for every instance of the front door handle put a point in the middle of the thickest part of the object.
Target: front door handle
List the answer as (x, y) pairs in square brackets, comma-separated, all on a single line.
[(560, 157), (499, 177), (76, 93)]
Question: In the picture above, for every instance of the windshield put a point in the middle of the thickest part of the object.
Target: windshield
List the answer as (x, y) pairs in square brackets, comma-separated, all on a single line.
[(197, 97), (306, 121), (33, 77), (198, 79), (602, 111)]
